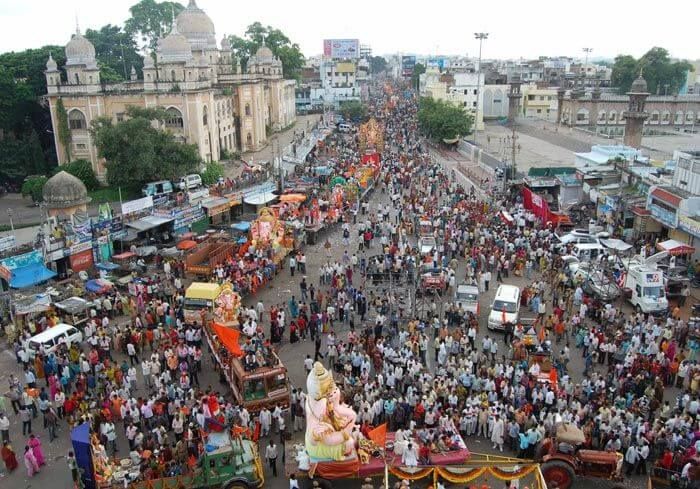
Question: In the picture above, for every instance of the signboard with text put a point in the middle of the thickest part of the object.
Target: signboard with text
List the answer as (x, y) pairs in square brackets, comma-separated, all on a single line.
[(408, 63), (137, 205), (341, 48)]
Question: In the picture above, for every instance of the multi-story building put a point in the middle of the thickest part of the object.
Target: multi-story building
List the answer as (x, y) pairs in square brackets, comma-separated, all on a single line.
[(540, 103), (211, 102), (459, 88)]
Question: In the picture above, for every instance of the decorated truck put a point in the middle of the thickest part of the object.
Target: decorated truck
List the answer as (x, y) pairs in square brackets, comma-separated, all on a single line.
[(207, 256)]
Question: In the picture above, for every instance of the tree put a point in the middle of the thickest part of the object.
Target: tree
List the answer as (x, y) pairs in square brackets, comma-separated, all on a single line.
[(377, 64), (418, 70), (82, 169), (440, 120), (212, 173), (137, 152), (657, 68), (353, 110), (64, 135), (151, 20), (21, 157), (116, 52), (34, 187), (281, 46)]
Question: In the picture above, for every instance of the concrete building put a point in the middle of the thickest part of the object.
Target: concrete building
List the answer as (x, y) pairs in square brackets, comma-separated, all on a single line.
[(540, 103), (212, 103), (459, 88)]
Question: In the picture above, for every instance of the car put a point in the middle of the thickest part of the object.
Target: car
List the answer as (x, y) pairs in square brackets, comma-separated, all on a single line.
[(161, 187), (426, 245), (50, 339), (467, 297), (189, 182)]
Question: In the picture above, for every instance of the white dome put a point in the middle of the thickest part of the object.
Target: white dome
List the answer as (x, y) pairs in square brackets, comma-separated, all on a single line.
[(51, 64), (264, 53), (174, 48), (79, 51), (197, 27)]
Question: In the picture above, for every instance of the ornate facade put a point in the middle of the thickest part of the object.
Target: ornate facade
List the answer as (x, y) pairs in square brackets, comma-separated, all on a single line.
[(212, 103)]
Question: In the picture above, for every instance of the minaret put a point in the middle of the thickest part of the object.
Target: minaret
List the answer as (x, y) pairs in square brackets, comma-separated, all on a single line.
[(635, 114), (514, 96)]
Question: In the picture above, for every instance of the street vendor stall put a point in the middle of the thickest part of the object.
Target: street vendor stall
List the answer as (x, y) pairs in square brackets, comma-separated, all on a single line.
[(74, 311)]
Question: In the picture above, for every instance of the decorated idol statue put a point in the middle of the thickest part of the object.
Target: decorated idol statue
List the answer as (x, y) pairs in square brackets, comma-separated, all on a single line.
[(329, 422)]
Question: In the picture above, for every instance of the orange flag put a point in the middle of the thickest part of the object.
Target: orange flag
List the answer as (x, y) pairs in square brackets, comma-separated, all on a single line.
[(553, 377), (229, 337), (378, 435)]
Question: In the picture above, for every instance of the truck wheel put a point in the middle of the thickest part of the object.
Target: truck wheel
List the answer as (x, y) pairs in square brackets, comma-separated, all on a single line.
[(558, 474)]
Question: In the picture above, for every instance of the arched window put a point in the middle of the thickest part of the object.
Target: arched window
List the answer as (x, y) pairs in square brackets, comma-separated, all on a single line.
[(689, 117), (601, 116), (148, 77), (172, 75), (247, 109), (174, 119), (76, 120), (655, 116), (249, 139), (666, 117), (91, 79), (612, 117), (582, 115), (77, 79), (679, 117), (205, 117)]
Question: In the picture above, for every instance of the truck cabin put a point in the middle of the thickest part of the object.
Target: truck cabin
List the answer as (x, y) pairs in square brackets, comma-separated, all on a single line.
[(200, 300), (257, 386)]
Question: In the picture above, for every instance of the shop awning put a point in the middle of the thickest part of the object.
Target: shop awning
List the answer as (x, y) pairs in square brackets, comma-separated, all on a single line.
[(99, 285), (259, 199), (186, 244), (124, 256), (108, 266), (38, 303), (216, 205), (148, 222), (674, 247), (615, 244), (30, 275), (73, 305), (666, 196)]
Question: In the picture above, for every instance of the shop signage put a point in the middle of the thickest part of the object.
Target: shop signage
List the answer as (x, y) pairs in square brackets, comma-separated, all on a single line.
[(80, 247), (689, 225), (198, 195), (24, 260), (219, 209), (81, 261), (7, 242), (137, 205)]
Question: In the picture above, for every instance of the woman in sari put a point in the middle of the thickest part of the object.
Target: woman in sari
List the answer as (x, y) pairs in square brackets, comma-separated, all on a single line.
[(35, 444), (30, 462), (9, 457)]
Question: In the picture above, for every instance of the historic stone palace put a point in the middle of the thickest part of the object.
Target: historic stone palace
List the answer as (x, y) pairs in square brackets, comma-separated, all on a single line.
[(210, 101)]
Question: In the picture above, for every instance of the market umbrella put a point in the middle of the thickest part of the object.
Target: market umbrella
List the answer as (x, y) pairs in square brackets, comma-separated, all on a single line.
[(186, 244), (292, 198)]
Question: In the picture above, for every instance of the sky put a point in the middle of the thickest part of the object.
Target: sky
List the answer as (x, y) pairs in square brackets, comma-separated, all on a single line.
[(516, 29)]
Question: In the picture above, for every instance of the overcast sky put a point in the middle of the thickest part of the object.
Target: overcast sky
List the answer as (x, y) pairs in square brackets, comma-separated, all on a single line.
[(516, 29)]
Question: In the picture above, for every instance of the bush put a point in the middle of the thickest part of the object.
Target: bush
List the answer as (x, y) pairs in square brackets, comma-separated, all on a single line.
[(33, 187), (83, 170), (212, 173)]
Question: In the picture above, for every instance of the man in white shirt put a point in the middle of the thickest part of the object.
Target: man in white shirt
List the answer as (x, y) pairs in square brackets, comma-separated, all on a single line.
[(271, 457)]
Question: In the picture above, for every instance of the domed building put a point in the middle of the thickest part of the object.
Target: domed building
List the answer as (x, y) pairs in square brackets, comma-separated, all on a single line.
[(64, 195), (199, 83)]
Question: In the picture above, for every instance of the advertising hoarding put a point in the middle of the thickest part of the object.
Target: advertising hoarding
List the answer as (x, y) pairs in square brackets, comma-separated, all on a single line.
[(341, 48), (408, 63), (137, 205)]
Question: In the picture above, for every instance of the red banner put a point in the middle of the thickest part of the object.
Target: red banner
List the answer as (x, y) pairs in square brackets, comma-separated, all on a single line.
[(81, 261), (371, 159), (537, 205)]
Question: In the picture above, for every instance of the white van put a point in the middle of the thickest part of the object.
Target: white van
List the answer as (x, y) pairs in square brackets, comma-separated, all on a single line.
[(506, 305), (588, 251), (53, 337), (189, 182), (342, 127)]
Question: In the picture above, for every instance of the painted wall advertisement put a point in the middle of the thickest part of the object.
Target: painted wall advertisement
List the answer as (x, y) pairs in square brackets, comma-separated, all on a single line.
[(81, 261), (341, 48), (137, 205), (7, 242), (689, 225)]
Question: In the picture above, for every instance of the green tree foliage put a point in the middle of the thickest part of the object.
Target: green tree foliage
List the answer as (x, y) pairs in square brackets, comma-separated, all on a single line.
[(441, 120), (377, 64), (658, 70), (137, 152), (21, 157), (212, 173), (150, 20), (281, 46), (83, 170), (418, 70), (353, 110), (63, 128), (116, 51), (33, 187)]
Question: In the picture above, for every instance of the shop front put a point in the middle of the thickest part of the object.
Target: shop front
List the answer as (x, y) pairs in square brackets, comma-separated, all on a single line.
[(26, 270), (218, 210)]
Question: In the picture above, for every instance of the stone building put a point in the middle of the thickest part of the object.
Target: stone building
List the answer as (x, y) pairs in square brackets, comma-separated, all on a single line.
[(212, 103), (65, 195), (605, 111)]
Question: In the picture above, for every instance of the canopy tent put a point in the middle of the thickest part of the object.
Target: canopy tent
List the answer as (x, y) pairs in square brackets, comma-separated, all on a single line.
[(241, 226), (229, 338), (259, 198), (186, 244), (73, 305), (30, 275), (148, 222), (99, 285), (124, 256), (170, 252), (675, 248), (36, 304), (615, 244), (146, 250), (108, 266)]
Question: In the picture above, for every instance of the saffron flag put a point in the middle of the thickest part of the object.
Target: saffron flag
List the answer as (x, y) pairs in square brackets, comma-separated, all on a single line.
[(378, 435), (229, 337)]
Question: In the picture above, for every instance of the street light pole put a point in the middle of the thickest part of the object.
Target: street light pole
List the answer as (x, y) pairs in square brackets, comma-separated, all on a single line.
[(12, 226), (481, 36)]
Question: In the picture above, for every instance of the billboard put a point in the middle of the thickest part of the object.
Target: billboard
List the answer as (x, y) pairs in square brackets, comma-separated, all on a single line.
[(341, 48), (407, 65)]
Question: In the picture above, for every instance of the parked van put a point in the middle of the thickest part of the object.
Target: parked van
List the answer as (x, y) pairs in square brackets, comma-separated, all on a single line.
[(588, 251), (161, 187), (189, 182), (53, 337), (344, 127), (505, 307), (467, 297)]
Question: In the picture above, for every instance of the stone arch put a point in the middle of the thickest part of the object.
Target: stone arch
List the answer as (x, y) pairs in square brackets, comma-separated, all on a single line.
[(612, 117), (249, 140), (655, 117), (76, 120), (678, 119), (666, 117), (174, 119), (205, 116), (601, 117)]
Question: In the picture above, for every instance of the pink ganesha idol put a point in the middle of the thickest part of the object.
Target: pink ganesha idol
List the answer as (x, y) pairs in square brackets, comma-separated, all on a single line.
[(329, 422)]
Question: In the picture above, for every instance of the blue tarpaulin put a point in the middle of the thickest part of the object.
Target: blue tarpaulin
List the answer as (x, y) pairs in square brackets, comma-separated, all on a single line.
[(108, 265), (241, 226), (80, 439), (30, 275)]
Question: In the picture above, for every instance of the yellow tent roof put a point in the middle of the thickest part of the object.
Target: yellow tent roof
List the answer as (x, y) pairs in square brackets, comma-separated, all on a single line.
[(203, 290)]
